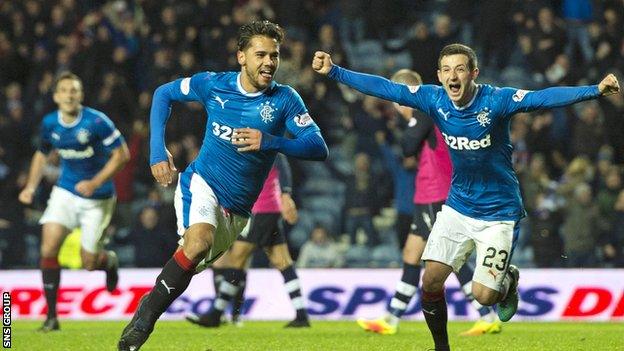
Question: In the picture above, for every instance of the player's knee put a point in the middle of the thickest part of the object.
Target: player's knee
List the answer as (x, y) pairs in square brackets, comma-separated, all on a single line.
[(431, 282), (195, 248), (196, 244)]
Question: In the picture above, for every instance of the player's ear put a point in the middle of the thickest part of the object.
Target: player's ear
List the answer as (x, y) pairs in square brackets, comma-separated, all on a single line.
[(475, 73), (440, 77), (240, 57)]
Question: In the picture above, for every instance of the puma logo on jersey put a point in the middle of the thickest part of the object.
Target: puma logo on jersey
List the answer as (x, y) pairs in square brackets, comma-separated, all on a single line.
[(222, 102), (445, 115), (463, 143), (56, 136)]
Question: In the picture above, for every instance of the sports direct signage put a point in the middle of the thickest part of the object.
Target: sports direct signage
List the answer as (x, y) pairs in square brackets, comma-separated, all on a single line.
[(546, 295)]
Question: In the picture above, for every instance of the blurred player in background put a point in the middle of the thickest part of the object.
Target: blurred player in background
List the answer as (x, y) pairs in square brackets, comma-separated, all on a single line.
[(484, 206), (433, 180), (265, 231), (91, 150), (248, 114)]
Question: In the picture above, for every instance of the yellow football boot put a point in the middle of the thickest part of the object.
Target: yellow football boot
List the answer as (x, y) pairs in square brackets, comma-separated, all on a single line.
[(379, 326), (482, 327)]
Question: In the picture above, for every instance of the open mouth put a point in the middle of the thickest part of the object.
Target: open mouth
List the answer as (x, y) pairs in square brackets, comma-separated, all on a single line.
[(266, 73), (454, 87)]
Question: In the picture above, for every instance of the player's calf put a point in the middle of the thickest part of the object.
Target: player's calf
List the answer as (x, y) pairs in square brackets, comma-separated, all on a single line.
[(484, 295), (89, 261)]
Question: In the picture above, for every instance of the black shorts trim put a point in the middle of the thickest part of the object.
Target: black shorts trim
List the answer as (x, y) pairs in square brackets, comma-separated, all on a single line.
[(424, 217), (265, 230)]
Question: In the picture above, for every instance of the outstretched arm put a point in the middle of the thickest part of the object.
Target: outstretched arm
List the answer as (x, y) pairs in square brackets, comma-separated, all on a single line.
[(370, 84), (525, 101)]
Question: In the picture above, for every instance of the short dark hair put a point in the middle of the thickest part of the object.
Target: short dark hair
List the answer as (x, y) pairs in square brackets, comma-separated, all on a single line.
[(265, 28), (407, 77), (66, 75), (459, 49)]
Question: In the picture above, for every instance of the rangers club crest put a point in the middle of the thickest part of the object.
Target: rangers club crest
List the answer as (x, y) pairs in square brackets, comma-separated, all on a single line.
[(266, 111), (83, 136), (483, 118)]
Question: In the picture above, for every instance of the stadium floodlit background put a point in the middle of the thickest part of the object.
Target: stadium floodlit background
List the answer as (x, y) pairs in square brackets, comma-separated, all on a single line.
[(569, 160)]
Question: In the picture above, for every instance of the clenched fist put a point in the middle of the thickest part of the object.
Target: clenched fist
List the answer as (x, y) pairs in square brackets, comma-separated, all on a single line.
[(322, 62), (609, 85)]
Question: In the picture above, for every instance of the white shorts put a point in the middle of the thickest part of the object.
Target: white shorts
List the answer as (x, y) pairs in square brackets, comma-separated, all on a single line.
[(454, 236), (92, 216), (195, 202)]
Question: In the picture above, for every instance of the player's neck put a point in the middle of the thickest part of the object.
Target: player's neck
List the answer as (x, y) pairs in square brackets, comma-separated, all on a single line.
[(246, 84), (69, 117)]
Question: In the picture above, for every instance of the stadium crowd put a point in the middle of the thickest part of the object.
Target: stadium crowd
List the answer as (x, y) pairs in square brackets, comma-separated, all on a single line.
[(569, 160)]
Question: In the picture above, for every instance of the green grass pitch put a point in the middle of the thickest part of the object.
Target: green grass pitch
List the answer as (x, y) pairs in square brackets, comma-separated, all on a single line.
[(343, 335)]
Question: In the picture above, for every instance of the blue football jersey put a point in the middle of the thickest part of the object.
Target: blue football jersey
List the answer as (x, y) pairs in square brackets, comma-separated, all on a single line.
[(84, 147), (237, 177), (484, 184)]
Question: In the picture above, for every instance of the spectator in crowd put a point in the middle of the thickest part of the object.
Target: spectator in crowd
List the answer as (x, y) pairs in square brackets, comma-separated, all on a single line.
[(361, 202), (606, 198), (588, 133), (320, 251), (580, 228), (153, 245), (548, 39), (545, 215), (577, 15), (614, 249)]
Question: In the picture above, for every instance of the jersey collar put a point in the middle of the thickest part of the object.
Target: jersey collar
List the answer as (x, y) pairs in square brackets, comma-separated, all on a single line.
[(244, 92), (471, 100), (69, 125)]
